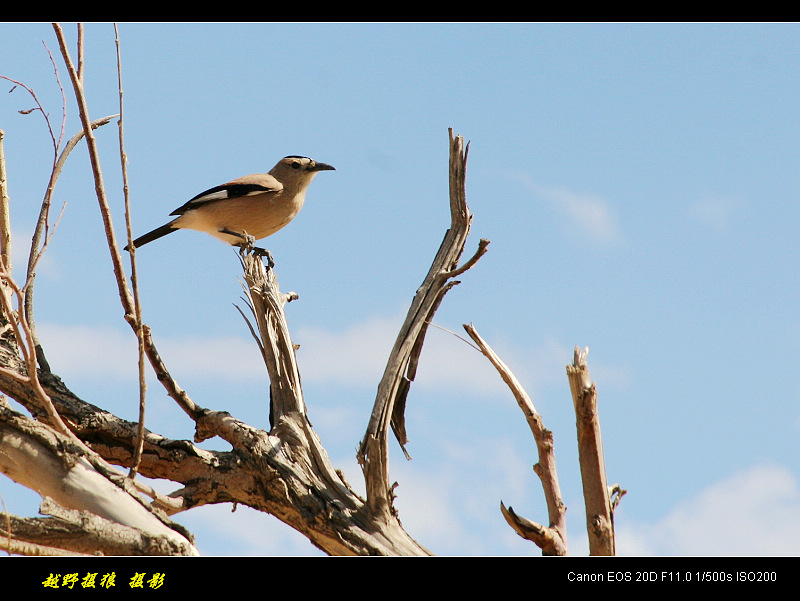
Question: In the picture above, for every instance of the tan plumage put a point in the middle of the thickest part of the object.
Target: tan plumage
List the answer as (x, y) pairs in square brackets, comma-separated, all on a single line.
[(254, 206)]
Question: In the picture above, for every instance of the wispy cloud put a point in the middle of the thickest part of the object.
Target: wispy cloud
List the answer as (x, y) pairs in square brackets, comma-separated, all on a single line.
[(357, 356), (353, 356), (106, 352), (591, 214), (220, 531)]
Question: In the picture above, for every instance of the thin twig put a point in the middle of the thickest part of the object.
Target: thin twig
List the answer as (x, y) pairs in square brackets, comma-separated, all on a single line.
[(137, 452), (27, 346), (5, 212), (40, 230), (461, 338), (43, 228), (171, 386), (124, 293), (63, 98), (38, 107), (126, 297), (73, 141), (80, 52), (482, 247)]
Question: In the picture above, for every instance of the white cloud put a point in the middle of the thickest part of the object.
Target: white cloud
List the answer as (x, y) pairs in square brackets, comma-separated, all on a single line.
[(589, 213), (84, 350), (230, 357), (99, 352), (754, 512), (352, 356), (357, 356)]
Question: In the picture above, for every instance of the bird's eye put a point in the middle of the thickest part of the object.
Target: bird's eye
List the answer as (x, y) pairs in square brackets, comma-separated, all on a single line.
[(295, 165)]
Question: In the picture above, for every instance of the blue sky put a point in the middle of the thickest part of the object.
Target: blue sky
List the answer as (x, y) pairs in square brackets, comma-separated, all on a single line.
[(638, 183)]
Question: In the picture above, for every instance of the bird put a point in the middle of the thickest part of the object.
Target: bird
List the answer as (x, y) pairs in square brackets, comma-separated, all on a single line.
[(245, 209)]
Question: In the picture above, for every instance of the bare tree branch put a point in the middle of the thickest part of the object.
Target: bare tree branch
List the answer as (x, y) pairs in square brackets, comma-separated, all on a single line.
[(5, 215), (285, 472), (267, 302), (26, 345), (38, 457), (599, 514), (129, 302), (547, 539), (290, 423), (389, 407), (552, 540), (124, 293), (134, 279), (43, 232), (73, 532), (42, 225)]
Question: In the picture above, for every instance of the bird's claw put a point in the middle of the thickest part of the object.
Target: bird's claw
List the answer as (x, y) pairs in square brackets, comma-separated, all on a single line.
[(263, 252), (247, 247)]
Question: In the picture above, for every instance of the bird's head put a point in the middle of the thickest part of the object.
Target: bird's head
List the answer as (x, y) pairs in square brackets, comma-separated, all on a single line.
[(298, 170)]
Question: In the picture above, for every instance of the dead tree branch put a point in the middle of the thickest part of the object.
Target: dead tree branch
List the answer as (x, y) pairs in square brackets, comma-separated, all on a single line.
[(116, 258), (297, 451), (72, 532), (41, 232), (5, 215), (55, 466), (551, 540), (389, 407), (596, 494), (137, 322)]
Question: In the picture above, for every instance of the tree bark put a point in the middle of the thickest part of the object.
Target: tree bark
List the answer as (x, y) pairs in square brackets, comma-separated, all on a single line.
[(42, 459), (596, 495)]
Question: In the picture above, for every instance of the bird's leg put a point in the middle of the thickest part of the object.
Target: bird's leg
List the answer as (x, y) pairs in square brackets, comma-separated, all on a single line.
[(247, 245)]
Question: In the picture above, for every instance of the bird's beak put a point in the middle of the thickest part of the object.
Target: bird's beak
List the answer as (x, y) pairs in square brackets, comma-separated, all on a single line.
[(323, 167)]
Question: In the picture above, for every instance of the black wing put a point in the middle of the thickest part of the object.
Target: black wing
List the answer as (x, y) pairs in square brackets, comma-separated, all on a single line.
[(223, 192)]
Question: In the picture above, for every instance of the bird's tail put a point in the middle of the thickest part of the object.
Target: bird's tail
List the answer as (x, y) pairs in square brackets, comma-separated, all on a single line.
[(154, 235)]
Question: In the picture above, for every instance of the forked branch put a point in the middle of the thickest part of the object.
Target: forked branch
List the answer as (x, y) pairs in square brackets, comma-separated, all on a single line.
[(294, 449), (389, 407)]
